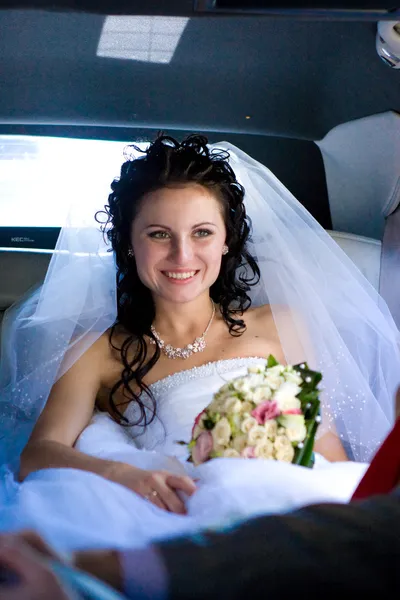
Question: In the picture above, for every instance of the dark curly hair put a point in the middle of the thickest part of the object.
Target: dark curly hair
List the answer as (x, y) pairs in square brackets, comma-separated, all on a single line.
[(167, 162)]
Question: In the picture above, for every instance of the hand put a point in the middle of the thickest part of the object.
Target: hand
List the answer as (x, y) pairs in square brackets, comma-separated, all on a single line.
[(30, 579), (158, 487)]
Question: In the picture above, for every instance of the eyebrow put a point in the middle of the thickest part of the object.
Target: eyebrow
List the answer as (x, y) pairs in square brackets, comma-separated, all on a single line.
[(169, 229)]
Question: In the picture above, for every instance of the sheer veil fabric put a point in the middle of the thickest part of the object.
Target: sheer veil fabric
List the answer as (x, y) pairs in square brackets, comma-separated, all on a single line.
[(325, 310)]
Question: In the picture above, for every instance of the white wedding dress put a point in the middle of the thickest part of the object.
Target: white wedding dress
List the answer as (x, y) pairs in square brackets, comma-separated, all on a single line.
[(76, 509)]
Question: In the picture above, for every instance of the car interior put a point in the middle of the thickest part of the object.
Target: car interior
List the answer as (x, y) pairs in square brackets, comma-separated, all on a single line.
[(312, 94)]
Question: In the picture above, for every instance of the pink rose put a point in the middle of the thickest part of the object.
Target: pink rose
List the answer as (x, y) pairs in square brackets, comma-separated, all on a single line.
[(197, 420), (265, 412), (248, 452), (203, 448), (292, 411)]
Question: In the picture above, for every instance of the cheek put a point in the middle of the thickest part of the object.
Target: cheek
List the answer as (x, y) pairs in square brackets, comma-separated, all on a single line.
[(146, 256), (212, 255)]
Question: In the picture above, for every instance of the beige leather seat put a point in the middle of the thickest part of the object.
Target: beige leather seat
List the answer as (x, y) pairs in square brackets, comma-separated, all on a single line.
[(20, 271)]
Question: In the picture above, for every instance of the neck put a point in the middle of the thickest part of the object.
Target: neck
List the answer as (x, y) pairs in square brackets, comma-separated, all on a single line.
[(178, 322)]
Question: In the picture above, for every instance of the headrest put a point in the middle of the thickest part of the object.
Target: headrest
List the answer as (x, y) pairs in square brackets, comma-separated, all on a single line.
[(362, 165)]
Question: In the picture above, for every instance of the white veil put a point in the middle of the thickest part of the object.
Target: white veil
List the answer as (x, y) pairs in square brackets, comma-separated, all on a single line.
[(325, 311)]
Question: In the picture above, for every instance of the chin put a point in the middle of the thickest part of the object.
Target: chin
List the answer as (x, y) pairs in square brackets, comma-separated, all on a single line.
[(182, 295), (181, 298)]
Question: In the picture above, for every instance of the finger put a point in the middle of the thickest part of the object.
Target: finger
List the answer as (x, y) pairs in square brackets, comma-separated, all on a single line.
[(170, 498), (155, 499), (33, 539), (185, 484), (34, 579), (14, 560)]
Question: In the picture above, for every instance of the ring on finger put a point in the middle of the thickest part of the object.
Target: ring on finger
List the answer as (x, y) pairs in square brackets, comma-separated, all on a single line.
[(153, 494)]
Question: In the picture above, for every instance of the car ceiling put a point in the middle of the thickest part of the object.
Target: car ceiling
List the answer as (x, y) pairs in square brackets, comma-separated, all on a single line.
[(293, 78), (269, 84)]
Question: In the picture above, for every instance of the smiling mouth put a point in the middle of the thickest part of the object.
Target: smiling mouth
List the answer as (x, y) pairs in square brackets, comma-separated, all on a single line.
[(180, 276)]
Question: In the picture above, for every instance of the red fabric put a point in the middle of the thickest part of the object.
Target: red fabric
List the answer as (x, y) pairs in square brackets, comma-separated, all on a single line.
[(384, 471)]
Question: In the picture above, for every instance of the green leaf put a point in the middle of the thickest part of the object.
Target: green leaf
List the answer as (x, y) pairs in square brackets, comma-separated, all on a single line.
[(308, 396), (304, 456), (271, 362)]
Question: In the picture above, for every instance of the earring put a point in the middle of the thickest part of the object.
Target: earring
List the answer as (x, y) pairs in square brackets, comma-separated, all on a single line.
[(130, 253), (225, 249)]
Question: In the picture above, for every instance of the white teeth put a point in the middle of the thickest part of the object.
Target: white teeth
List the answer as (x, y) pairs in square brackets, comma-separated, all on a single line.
[(180, 275)]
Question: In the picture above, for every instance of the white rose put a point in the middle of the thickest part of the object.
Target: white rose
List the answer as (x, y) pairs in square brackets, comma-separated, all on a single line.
[(255, 380), (274, 381), (285, 396), (246, 407), (248, 423), (222, 432), (285, 454), (283, 449), (225, 389), (277, 370), (215, 405), (282, 441), (218, 451), (242, 385), (295, 428), (261, 394), (256, 369), (230, 453), (292, 377), (256, 435), (239, 442), (232, 405), (264, 450), (271, 428)]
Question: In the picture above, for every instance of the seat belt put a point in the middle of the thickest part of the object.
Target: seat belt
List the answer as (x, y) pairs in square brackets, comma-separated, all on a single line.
[(389, 282)]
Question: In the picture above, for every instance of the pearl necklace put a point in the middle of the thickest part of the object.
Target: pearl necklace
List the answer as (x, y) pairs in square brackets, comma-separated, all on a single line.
[(197, 346)]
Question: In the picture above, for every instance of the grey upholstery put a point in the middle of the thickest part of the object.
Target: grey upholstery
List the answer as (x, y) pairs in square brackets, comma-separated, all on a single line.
[(364, 252), (362, 161)]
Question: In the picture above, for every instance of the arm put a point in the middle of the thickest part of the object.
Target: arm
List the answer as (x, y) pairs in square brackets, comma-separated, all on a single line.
[(67, 412)]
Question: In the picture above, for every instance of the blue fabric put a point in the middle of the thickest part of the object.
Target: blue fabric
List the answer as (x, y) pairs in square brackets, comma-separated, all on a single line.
[(83, 586)]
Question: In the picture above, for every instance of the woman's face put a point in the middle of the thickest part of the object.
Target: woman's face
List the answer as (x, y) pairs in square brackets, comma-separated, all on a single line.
[(177, 239)]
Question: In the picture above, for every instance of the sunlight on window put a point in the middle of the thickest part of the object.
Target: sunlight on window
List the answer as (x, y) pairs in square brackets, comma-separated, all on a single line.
[(42, 178), (147, 39)]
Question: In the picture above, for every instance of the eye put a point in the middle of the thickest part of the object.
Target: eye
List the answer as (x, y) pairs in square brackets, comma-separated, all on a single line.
[(203, 233), (159, 235)]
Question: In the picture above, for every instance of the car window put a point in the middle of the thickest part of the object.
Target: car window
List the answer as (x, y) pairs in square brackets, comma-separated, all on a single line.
[(42, 177)]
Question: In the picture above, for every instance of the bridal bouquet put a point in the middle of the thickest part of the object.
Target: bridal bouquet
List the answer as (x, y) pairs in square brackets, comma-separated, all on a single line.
[(270, 413)]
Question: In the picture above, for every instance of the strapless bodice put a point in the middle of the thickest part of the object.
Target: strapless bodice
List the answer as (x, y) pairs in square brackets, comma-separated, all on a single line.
[(179, 398)]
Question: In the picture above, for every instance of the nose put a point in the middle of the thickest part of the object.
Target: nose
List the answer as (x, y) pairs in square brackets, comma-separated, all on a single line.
[(182, 251)]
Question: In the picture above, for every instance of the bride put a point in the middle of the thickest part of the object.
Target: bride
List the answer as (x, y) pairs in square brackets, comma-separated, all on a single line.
[(101, 379)]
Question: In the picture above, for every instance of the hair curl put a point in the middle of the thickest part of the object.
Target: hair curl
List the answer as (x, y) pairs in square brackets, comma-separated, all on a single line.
[(164, 163)]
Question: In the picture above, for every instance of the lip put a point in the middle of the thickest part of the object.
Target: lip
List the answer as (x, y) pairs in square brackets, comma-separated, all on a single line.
[(180, 281)]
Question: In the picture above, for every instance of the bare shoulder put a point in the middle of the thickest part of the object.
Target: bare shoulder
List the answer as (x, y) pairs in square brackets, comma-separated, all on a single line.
[(262, 331), (270, 312), (262, 314)]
